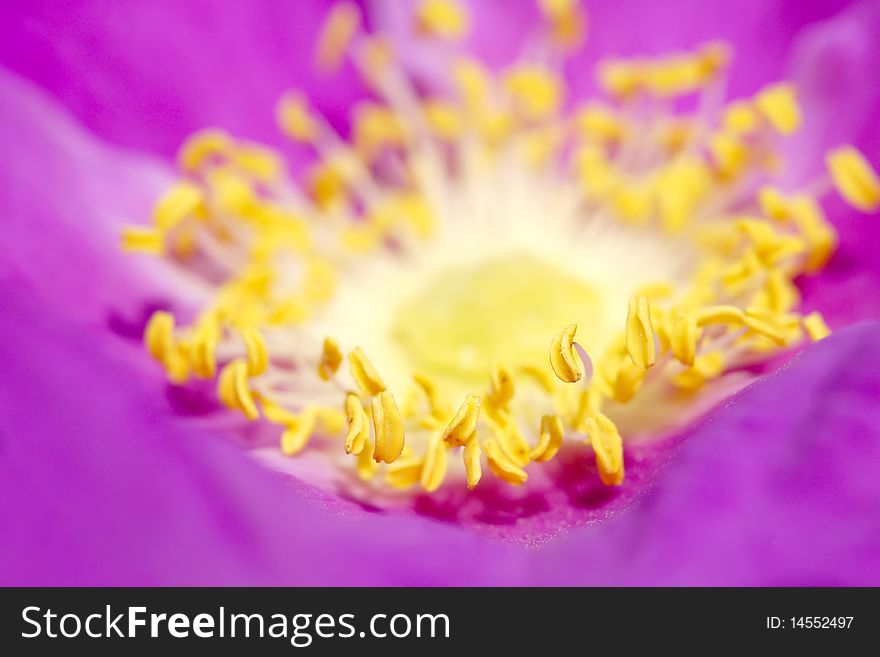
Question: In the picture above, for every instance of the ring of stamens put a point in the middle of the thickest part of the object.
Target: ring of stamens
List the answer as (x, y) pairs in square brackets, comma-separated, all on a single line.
[(276, 253)]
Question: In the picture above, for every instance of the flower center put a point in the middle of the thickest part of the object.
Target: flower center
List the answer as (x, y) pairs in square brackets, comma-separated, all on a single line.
[(466, 320)]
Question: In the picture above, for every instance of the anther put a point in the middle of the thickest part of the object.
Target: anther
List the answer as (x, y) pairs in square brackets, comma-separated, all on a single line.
[(364, 374), (463, 426), (854, 178), (563, 358), (388, 427), (358, 434), (608, 447), (550, 439), (640, 333)]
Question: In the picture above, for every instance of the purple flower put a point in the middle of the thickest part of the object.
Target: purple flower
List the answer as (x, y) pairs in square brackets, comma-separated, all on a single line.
[(113, 475)]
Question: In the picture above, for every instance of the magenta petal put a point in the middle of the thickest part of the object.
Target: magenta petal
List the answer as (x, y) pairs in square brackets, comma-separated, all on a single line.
[(832, 63), (148, 74), (779, 487), (64, 198), (98, 485)]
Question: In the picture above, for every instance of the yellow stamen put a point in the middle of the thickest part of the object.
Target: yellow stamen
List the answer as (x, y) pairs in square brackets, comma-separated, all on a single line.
[(444, 119), (854, 178), (202, 147), (779, 106), (463, 426), (331, 359), (257, 352), (815, 326), (773, 203), (358, 425), (176, 204), (565, 362), (366, 466), (234, 391), (762, 324), (501, 387), (203, 350), (568, 22), (536, 91), (337, 32), (261, 163), (720, 315), (640, 333), (294, 118), (364, 374), (502, 465), (550, 439), (683, 339), (471, 456), (739, 118), (297, 434), (447, 19), (434, 469), (404, 473), (707, 366), (159, 335), (608, 447), (143, 240), (388, 427), (820, 236)]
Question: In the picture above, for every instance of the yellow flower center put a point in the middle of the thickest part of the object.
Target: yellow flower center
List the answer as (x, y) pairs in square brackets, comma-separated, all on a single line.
[(464, 321)]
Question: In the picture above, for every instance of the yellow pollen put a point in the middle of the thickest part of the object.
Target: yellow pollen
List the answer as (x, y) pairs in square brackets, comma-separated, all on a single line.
[(536, 91), (257, 352), (446, 19), (739, 118), (815, 326), (550, 439), (364, 374), (683, 339), (331, 359), (501, 387), (720, 315), (568, 22), (388, 427), (340, 27), (640, 333), (159, 335), (203, 147), (434, 469), (473, 469), (779, 106), (143, 240), (297, 434), (294, 118), (563, 358), (608, 447), (234, 391), (463, 426), (358, 434), (203, 350), (502, 464), (854, 178), (176, 204)]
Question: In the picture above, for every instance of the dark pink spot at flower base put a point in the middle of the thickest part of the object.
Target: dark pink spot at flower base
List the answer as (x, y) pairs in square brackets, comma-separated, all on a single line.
[(559, 495)]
